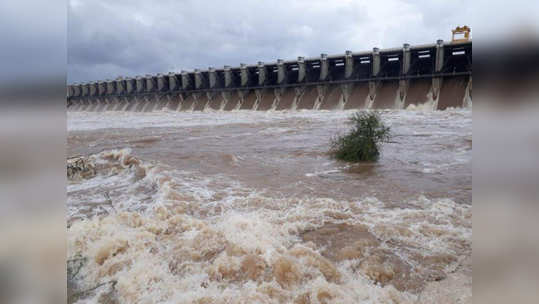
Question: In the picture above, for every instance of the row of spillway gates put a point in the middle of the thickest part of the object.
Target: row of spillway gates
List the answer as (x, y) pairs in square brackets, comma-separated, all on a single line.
[(439, 74)]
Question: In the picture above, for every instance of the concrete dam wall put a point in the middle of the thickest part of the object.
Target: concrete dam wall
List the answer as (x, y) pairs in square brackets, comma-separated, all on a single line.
[(437, 74)]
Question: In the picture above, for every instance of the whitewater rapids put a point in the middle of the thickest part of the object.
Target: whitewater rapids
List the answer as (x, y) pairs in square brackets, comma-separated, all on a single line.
[(246, 207)]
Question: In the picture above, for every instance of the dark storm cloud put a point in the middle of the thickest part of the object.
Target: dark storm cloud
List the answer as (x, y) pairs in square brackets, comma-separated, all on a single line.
[(107, 39), (33, 40)]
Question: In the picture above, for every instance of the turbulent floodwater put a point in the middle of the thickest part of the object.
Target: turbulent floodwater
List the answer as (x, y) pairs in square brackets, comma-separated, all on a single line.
[(246, 207)]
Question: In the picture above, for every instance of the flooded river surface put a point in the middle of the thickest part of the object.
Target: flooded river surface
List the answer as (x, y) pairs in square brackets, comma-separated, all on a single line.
[(247, 207)]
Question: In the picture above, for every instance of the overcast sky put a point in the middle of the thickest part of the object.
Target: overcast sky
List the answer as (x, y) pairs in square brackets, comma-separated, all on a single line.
[(108, 38)]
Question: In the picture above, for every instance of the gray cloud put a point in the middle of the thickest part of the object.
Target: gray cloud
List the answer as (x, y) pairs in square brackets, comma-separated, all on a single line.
[(33, 40), (125, 38)]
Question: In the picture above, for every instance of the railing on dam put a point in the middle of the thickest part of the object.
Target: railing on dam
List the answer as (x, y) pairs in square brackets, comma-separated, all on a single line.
[(379, 78)]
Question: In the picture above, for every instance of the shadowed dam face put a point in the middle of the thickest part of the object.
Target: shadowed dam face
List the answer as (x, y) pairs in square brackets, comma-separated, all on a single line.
[(308, 98), (189, 103), (265, 99), (334, 82), (249, 100), (452, 92), (358, 96), (217, 186), (214, 101), (387, 95), (331, 97), (201, 102), (287, 98), (230, 100), (418, 92)]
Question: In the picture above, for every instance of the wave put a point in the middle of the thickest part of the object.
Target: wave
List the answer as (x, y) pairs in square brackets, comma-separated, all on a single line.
[(173, 237)]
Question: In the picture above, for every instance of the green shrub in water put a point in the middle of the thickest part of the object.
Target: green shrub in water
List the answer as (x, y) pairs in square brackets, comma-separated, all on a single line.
[(362, 143)]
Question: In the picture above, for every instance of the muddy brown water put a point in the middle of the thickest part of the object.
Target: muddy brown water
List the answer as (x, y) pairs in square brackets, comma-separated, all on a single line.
[(252, 196), (280, 156)]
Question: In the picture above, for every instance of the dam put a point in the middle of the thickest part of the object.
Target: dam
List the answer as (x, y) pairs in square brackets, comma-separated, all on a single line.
[(216, 186), (439, 74)]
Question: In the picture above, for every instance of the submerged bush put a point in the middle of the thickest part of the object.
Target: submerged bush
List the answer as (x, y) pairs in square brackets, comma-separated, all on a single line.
[(362, 143)]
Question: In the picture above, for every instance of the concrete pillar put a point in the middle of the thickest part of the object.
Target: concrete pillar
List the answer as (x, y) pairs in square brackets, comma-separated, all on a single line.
[(85, 89), (244, 75), (172, 82), (130, 85), (186, 83), (281, 71), (324, 67), (301, 69), (93, 89), (70, 91), (120, 85), (161, 83), (375, 71), (348, 65), (98, 86), (468, 95), (438, 66), (110, 87), (372, 94), (375, 61), (120, 88), (439, 55), (228, 76), (212, 78), (261, 73), (199, 79), (102, 88), (149, 83), (405, 67), (140, 84), (436, 86)]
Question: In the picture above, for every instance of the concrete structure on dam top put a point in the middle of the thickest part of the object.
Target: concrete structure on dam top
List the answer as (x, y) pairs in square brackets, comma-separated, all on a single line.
[(439, 74)]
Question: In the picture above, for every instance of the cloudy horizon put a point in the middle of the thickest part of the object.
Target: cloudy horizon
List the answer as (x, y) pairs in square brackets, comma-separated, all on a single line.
[(129, 38)]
